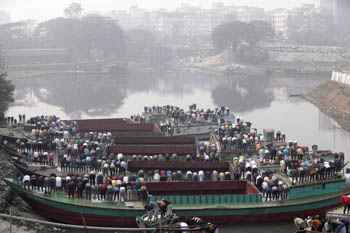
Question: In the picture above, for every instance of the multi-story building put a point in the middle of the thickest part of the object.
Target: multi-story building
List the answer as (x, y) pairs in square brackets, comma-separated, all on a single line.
[(248, 14), (279, 22), (342, 15), (327, 7)]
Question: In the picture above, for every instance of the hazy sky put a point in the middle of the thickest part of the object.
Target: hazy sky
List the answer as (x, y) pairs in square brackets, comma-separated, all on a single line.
[(44, 9)]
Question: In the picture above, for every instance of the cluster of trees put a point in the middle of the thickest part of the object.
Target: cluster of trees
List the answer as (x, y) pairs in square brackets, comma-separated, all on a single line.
[(241, 39), (230, 35), (6, 94), (311, 28), (86, 36)]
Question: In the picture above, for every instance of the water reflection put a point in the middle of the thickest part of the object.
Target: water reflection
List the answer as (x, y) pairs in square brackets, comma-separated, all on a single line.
[(244, 94), (263, 102), (100, 97)]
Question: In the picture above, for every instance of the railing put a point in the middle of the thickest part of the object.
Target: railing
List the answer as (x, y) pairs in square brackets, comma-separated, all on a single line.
[(178, 165), (316, 189), (211, 199)]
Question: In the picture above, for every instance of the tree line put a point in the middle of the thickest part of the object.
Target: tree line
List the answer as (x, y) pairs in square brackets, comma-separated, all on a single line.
[(87, 37)]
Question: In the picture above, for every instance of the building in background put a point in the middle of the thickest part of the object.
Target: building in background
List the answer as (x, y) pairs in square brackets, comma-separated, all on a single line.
[(249, 14), (342, 15), (279, 22), (327, 7)]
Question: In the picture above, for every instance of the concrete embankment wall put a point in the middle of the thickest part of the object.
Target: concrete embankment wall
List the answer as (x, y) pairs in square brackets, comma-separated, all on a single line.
[(333, 98)]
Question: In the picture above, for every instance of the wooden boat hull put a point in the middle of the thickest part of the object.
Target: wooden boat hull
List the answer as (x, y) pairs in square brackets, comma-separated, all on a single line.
[(103, 216)]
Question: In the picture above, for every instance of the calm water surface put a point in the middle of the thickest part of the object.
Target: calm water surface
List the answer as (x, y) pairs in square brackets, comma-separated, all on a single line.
[(264, 101)]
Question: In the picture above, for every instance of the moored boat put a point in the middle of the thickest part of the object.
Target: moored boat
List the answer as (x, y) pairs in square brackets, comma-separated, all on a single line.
[(193, 175), (232, 207)]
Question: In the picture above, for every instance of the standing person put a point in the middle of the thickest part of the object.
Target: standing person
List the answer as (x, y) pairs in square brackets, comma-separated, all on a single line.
[(58, 183), (71, 189), (88, 191), (122, 194), (92, 177), (345, 200)]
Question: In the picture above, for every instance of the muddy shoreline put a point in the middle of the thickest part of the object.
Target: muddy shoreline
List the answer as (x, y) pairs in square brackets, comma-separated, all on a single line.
[(333, 99), (11, 203)]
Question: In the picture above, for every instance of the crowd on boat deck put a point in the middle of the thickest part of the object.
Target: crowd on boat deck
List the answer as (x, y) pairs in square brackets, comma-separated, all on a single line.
[(304, 166), (296, 161), (86, 157), (178, 116), (238, 136), (90, 186)]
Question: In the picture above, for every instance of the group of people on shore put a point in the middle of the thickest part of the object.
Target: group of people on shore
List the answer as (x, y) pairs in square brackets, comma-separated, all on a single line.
[(13, 121)]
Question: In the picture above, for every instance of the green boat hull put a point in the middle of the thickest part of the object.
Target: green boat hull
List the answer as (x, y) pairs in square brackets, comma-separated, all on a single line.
[(102, 215)]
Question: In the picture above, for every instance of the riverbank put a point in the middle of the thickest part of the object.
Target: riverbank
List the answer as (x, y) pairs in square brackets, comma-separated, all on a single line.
[(333, 99), (10, 203)]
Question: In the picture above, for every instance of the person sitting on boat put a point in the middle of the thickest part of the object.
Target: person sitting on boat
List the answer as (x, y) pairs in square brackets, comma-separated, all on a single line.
[(301, 225), (316, 224), (164, 208)]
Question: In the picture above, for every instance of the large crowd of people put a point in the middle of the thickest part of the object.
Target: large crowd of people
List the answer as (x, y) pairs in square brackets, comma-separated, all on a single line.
[(177, 117), (87, 169)]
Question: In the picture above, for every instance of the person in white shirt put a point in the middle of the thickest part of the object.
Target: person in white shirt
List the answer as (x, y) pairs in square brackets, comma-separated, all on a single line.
[(122, 194), (265, 188), (156, 177), (26, 181), (214, 176), (58, 183), (201, 176)]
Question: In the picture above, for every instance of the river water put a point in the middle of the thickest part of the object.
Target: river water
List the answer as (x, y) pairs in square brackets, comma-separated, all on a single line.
[(263, 100)]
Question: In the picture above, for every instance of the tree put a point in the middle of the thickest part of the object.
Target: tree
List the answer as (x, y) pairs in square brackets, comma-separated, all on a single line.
[(143, 46), (230, 35), (6, 94), (103, 34), (74, 10), (85, 37)]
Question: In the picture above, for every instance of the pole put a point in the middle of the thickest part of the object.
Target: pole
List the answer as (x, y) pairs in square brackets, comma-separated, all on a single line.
[(11, 219)]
